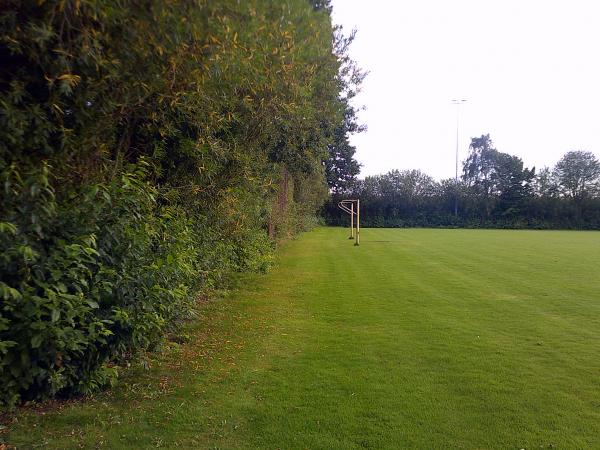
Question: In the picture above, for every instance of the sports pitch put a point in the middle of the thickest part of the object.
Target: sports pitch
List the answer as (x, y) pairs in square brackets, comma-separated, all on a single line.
[(416, 339)]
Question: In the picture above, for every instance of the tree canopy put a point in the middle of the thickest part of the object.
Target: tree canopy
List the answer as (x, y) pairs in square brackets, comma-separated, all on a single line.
[(578, 174)]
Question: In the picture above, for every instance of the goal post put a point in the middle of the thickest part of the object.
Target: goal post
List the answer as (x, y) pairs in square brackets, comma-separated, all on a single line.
[(352, 207)]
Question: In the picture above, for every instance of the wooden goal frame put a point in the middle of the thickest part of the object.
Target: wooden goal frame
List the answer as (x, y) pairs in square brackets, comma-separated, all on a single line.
[(352, 207)]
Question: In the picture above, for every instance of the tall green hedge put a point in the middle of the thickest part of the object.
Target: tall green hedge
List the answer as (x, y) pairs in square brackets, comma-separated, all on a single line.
[(142, 151)]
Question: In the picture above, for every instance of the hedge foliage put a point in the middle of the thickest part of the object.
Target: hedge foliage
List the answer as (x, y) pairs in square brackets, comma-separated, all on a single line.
[(146, 150)]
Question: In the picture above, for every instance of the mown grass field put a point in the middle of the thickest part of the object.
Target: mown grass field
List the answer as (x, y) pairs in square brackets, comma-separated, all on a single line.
[(416, 339)]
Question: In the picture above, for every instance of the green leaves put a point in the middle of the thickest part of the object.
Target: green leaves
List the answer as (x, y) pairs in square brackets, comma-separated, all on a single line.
[(7, 228), (9, 293), (92, 304), (36, 340), (55, 315), (68, 81), (145, 151)]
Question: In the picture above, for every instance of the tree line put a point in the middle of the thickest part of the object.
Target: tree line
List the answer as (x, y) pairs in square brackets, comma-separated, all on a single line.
[(494, 190), (148, 151)]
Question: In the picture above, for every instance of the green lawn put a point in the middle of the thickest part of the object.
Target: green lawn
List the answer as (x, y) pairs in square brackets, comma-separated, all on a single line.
[(416, 339)]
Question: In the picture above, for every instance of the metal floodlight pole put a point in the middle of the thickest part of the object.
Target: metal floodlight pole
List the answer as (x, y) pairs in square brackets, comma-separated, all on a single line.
[(457, 103)]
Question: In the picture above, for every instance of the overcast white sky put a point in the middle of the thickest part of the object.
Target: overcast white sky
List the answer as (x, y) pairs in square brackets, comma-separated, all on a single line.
[(530, 70)]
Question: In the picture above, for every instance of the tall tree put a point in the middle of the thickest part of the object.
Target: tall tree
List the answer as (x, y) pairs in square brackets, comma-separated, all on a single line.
[(341, 168), (479, 167), (499, 179), (512, 182), (578, 174)]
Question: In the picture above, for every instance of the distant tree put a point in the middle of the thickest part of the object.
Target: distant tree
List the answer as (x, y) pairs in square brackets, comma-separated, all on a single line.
[(479, 165), (496, 190), (478, 170), (398, 195), (341, 167), (512, 182), (369, 189), (410, 184), (546, 203), (578, 173), (453, 195), (500, 180), (545, 183)]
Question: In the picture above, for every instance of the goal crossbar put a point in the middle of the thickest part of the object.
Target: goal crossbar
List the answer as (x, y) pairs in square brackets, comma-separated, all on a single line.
[(343, 206)]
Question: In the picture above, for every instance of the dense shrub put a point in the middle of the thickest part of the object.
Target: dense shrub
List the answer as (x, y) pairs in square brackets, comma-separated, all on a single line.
[(147, 151)]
